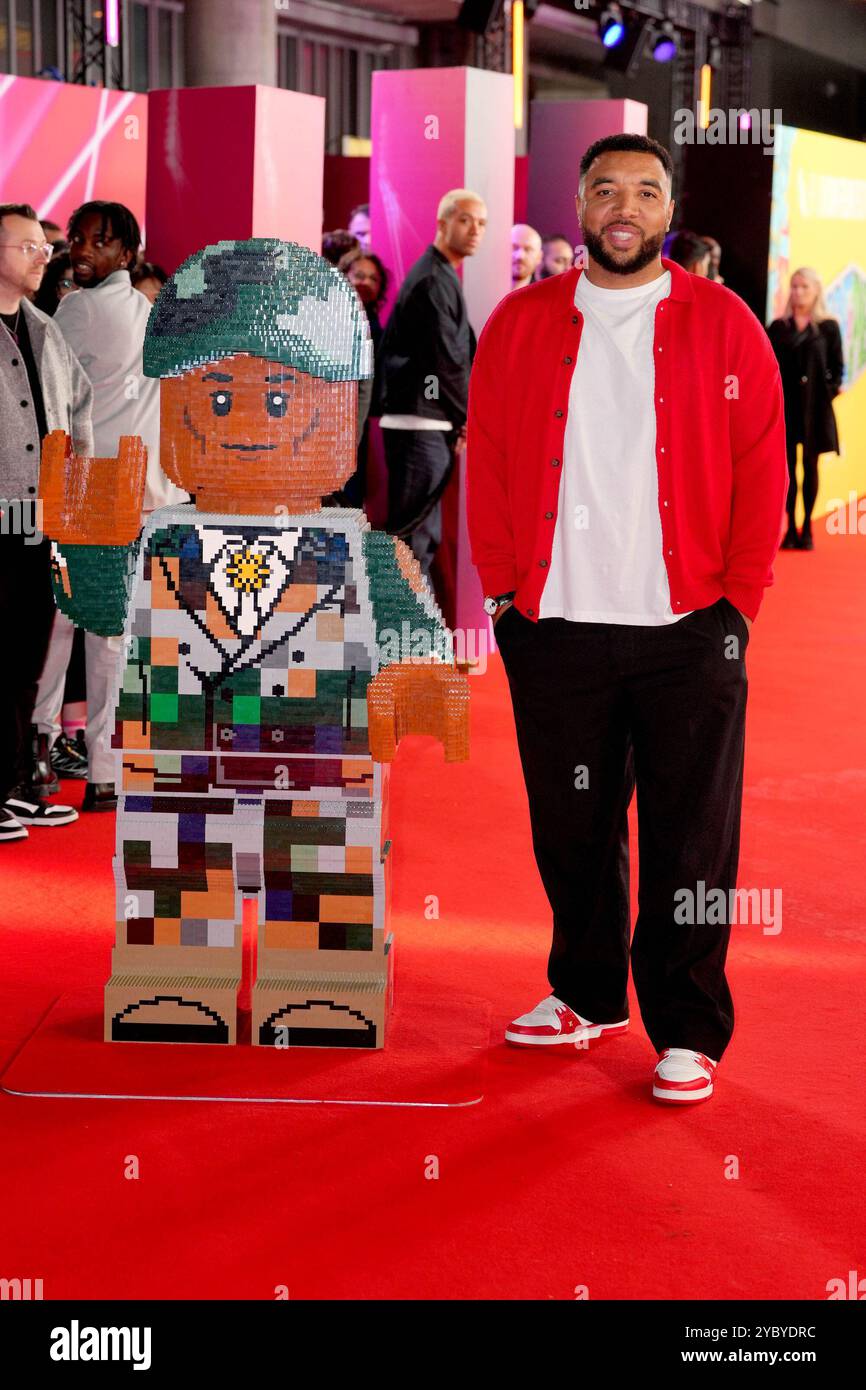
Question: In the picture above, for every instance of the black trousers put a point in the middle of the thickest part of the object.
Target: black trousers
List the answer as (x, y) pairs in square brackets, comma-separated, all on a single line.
[(418, 462), (810, 482), (26, 615), (600, 708)]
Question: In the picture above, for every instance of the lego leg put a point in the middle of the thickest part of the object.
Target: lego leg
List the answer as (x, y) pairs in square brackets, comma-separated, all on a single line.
[(176, 968), (324, 966)]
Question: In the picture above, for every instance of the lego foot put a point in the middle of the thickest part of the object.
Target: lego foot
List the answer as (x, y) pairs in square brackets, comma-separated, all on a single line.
[(298, 1011), (163, 1010)]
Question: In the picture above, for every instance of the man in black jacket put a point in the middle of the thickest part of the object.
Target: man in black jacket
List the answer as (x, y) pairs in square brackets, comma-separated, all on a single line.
[(424, 362)]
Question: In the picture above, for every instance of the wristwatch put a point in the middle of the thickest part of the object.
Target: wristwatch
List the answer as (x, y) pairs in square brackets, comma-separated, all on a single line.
[(493, 605)]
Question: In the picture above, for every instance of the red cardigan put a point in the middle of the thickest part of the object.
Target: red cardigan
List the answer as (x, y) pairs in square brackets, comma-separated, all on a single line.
[(720, 441)]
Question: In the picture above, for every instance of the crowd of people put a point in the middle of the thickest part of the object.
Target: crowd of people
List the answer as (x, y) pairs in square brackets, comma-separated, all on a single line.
[(73, 312)]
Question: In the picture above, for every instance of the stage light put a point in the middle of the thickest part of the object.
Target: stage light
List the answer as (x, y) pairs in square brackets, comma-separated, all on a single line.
[(611, 26), (664, 46), (705, 102), (517, 51), (112, 23), (110, 16)]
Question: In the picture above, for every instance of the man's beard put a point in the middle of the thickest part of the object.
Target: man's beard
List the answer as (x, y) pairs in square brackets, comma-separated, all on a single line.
[(642, 257)]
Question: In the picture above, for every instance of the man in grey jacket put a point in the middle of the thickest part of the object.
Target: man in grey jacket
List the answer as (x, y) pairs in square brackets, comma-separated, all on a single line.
[(42, 388)]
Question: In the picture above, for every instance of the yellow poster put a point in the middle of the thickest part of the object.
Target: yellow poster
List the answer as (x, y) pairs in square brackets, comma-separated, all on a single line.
[(818, 219)]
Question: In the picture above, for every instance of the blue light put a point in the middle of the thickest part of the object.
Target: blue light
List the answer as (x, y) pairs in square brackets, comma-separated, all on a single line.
[(613, 34), (664, 50)]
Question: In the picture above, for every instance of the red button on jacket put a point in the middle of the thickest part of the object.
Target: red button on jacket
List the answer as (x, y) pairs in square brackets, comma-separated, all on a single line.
[(720, 441)]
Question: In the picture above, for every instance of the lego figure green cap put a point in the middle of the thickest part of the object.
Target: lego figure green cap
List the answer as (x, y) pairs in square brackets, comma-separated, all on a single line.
[(272, 299)]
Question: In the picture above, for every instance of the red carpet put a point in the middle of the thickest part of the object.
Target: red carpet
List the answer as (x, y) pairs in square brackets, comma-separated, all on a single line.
[(566, 1173)]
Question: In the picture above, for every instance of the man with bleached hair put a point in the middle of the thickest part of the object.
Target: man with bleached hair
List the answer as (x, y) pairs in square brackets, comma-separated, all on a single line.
[(424, 365)]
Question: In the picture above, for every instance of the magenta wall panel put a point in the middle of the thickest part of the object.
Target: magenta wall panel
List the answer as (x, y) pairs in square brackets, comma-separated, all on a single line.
[(521, 186), (232, 162), (560, 131), (434, 129), (61, 145)]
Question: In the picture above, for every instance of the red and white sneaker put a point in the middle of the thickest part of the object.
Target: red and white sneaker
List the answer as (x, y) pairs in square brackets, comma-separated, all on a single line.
[(683, 1076), (552, 1022)]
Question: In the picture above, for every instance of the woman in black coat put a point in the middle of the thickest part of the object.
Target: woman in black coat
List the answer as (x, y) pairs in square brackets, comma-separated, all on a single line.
[(370, 278), (808, 346)]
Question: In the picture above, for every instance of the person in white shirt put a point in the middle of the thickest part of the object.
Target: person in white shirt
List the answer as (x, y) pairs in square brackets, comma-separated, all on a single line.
[(105, 328), (607, 564)]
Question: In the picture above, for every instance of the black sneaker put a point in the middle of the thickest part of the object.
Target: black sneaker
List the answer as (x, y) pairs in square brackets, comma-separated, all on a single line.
[(10, 826), (23, 805), (44, 779), (69, 757), (99, 796)]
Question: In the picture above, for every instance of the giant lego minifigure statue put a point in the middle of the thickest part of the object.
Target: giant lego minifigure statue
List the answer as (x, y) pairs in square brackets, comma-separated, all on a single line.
[(276, 650)]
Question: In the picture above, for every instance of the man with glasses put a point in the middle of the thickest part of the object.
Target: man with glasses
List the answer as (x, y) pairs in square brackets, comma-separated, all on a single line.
[(42, 388)]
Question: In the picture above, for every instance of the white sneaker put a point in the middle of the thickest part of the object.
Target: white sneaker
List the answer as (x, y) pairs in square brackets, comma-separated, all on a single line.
[(10, 826), (39, 813), (552, 1022), (682, 1075)]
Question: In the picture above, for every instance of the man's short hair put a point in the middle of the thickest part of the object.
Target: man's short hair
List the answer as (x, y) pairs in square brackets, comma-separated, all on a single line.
[(337, 244), (687, 248), (17, 210), (117, 216), (557, 236), (639, 144), (448, 202)]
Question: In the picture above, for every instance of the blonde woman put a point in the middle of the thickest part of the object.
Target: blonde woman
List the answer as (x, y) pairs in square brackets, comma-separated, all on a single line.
[(808, 346)]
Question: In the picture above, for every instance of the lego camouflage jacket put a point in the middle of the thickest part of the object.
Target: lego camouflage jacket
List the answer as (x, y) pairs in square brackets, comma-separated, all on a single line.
[(249, 643)]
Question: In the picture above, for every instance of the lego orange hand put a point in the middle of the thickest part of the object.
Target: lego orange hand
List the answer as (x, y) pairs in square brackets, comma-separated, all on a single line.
[(91, 501), (418, 698)]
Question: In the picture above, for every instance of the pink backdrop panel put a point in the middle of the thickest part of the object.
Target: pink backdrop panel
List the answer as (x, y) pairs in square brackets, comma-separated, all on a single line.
[(289, 166), (232, 162), (560, 132), (434, 129), (418, 129), (62, 145)]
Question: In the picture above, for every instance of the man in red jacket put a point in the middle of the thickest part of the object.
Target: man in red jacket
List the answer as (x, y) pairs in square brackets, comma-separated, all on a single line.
[(626, 465)]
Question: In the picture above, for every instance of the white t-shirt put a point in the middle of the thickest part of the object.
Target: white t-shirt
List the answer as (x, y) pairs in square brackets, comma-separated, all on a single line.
[(607, 565), (412, 422), (105, 327)]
